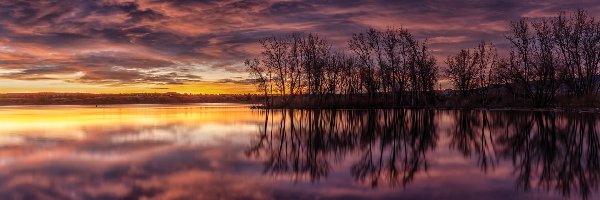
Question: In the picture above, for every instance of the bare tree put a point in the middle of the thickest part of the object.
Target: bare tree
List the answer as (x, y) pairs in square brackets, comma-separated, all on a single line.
[(487, 60), (396, 55), (578, 39), (294, 64), (393, 61), (315, 52), (390, 62), (462, 71), (259, 75), (533, 63), (470, 69), (362, 46), (425, 69), (274, 57)]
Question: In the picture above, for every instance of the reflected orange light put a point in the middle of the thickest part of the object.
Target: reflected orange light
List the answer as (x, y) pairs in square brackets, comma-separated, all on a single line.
[(76, 122)]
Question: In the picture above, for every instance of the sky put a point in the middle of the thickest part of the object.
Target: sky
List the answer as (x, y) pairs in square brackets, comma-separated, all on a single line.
[(198, 46)]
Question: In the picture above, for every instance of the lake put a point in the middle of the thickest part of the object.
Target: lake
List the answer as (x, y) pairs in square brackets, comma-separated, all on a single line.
[(229, 151)]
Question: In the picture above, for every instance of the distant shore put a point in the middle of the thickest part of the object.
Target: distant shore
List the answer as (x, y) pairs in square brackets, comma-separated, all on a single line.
[(15, 99)]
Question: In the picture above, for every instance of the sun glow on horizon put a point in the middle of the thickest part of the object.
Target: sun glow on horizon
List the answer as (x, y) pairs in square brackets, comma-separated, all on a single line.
[(18, 86)]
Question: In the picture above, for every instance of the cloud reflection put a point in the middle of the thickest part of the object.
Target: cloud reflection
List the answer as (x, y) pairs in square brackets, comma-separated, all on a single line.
[(233, 152)]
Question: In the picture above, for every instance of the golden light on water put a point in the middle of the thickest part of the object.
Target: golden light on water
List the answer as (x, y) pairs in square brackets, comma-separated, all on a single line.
[(82, 121)]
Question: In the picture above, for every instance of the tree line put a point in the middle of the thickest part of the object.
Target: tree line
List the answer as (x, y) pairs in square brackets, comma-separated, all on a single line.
[(547, 57)]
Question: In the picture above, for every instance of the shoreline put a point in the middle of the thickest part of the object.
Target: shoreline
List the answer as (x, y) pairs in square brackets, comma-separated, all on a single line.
[(520, 109)]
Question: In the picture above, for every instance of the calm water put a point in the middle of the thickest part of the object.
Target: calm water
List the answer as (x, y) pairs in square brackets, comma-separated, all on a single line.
[(227, 151)]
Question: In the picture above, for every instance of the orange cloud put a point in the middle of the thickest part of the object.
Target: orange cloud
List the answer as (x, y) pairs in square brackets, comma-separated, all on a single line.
[(100, 41)]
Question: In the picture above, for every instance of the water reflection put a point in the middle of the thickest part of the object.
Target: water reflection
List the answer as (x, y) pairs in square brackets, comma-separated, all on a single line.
[(233, 152), (391, 146), (553, 151), (124, 152), (549, 151)]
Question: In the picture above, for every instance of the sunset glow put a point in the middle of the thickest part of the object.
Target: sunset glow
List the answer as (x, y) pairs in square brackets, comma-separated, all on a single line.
[(198, 46)]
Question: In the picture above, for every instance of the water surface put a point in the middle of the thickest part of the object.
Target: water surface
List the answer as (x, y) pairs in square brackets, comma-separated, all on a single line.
[(228, 151)]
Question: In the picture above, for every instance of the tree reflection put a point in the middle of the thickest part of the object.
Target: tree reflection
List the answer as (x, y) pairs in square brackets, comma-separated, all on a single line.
[(551, 151), (555, 152), (548, 150), (303, 144), (394, 146), (472, 135)]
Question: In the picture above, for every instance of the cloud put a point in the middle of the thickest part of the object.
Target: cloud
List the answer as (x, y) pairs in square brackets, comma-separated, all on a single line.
[(236, 81), (118, 76), (288, 7), (146, 37), (122, 60), (38, 73)]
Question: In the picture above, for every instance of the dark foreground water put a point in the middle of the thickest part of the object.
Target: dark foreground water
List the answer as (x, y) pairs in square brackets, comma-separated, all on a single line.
[(223, 151)]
